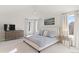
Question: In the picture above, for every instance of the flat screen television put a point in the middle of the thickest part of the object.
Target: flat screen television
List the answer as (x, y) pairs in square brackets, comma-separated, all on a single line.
[(11, 27)]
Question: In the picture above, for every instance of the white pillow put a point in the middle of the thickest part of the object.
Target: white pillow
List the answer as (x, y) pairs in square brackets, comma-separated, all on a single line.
[(45, 33)]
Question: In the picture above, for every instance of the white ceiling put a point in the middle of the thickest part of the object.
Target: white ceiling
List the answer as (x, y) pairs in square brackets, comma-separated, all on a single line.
[(39, 9)]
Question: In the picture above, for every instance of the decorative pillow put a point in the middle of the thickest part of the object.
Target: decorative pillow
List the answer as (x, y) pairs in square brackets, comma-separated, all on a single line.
[(45, 33), (51, 34)]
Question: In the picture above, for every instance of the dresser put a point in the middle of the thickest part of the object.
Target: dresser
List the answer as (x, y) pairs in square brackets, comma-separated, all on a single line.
[(16, 34)]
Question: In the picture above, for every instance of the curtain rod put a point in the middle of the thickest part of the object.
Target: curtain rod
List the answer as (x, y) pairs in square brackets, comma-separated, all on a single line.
[(70, 12)]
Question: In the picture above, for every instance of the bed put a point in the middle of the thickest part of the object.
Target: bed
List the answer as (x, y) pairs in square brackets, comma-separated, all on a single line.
[(39, 42)]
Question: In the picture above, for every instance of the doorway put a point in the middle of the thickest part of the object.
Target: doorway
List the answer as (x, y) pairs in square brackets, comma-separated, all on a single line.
[(30, 26)]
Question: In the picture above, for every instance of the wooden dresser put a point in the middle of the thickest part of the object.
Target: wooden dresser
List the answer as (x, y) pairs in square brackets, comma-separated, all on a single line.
[(10, 35)]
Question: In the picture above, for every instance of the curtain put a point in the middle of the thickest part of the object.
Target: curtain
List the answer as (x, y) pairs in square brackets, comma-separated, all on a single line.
[(76, 29), (64, 26)]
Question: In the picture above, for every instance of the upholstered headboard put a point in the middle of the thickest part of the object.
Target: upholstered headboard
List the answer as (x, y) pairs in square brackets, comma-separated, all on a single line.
[(55, 29)]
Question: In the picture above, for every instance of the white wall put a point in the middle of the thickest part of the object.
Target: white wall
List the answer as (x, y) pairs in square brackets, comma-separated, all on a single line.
[(17, 14), (18, 18), (8, 19), (19, 21), (41, 22), (14, 18)]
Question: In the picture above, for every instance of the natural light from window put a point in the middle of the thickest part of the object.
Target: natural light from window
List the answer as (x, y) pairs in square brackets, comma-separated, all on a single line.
[(14, 50), (71, 20)]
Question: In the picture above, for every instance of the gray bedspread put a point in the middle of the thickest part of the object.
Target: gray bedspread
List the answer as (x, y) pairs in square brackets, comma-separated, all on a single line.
[(41, 40)]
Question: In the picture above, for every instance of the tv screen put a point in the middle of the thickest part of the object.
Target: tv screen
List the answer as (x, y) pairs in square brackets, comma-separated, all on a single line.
[(11, 27)]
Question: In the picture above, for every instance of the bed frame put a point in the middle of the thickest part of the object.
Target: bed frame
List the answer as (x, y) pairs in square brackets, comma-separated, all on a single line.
[(42, 49), (31, 46)]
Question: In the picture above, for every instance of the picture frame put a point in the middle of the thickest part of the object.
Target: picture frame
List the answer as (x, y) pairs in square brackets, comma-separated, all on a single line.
[(50, 21)]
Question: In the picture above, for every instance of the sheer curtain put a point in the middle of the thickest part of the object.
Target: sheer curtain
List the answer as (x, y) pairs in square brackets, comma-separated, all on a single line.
[(65, 29), (64, 26), (76, 29)]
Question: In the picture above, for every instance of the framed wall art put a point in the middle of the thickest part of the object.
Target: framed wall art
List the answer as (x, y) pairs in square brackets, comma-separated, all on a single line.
[(50, 21)]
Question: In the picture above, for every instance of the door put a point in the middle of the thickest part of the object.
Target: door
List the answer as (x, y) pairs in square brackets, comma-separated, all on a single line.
[(30, 26)]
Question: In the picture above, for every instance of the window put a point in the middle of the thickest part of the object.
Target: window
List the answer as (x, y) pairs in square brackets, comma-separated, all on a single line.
[(71, 20)]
